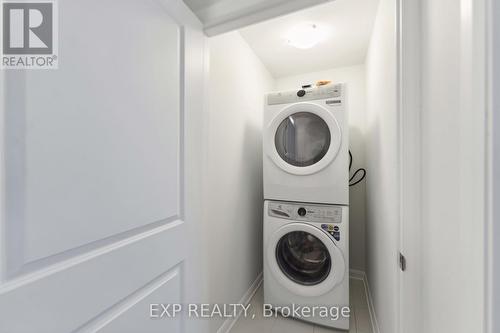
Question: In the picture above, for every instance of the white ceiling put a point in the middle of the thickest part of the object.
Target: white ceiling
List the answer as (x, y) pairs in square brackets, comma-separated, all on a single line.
[(349, 24), (219, 16)]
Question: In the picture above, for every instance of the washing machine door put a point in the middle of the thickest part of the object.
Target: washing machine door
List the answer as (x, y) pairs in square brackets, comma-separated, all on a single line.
[(303, 138), (305, 260)]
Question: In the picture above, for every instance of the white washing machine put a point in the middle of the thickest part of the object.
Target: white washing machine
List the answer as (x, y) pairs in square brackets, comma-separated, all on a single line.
[(306, 145), (306, 259)]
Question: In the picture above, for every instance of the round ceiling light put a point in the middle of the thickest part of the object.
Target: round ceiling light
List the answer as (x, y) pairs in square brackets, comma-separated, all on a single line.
[(305, 35)]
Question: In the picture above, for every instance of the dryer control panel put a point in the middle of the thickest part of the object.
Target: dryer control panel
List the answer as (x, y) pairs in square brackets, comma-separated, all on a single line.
[(332, 92), (305, 212)]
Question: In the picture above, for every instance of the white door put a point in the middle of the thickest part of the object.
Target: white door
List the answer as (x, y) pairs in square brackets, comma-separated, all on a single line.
[(100, 178), (443, 163)]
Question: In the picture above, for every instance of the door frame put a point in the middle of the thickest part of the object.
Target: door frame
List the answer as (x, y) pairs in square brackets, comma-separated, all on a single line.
[(408, 42), (194, 63), (492, 229), (480, 47)]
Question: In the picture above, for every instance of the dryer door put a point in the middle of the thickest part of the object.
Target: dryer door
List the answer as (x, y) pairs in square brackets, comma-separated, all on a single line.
[(305, 259), (303, 138)]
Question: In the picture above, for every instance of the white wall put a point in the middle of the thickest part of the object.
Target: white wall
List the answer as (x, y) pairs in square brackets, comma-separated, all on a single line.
[(354, 76), (382, 166), (233, 180)]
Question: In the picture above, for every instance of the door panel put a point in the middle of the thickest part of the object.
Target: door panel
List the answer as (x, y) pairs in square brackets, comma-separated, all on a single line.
[(130, 319), (95, 192), (79, 152), (71, 293)]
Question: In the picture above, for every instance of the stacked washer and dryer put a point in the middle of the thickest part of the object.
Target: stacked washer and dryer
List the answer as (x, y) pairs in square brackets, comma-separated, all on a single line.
[(306, 207)]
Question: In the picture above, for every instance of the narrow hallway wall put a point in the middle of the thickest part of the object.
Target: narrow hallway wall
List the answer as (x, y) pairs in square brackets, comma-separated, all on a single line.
[(382, 166), (233, 180)]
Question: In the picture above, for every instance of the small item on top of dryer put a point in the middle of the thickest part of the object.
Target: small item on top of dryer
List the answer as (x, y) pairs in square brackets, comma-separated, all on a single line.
[(322, 82)]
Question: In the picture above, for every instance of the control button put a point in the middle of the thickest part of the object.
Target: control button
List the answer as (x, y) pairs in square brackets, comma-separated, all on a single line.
[(336, 228), (324, 226), (302, 211), (330, 227), (301, 93)]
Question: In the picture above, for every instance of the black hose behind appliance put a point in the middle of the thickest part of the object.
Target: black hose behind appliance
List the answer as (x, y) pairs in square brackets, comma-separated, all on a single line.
[(362, 171)]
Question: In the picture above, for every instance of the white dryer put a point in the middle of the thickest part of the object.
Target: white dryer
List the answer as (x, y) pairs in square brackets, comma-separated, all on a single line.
[(306, 145), (306, 259)]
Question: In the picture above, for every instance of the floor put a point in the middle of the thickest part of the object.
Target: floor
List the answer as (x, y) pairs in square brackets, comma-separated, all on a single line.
[(360, 317)]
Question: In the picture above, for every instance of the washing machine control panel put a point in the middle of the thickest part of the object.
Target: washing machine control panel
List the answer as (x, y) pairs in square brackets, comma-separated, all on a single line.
[(306, 212), (332, 92)]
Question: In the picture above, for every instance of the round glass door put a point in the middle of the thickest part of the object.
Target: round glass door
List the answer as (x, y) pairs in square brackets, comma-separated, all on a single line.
[(302, 139), (303, 258)]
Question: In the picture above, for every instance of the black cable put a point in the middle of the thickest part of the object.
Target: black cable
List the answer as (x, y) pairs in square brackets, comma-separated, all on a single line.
[(360, 179), (355, 173), (350, 161)]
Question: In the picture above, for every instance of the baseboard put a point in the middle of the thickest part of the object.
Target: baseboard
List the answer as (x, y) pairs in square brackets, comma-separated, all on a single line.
[(356, 274), (360, 275), (229, 322)]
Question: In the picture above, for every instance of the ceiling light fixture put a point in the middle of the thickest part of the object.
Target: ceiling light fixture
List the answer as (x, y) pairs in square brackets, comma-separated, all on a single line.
[(305, 35)]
